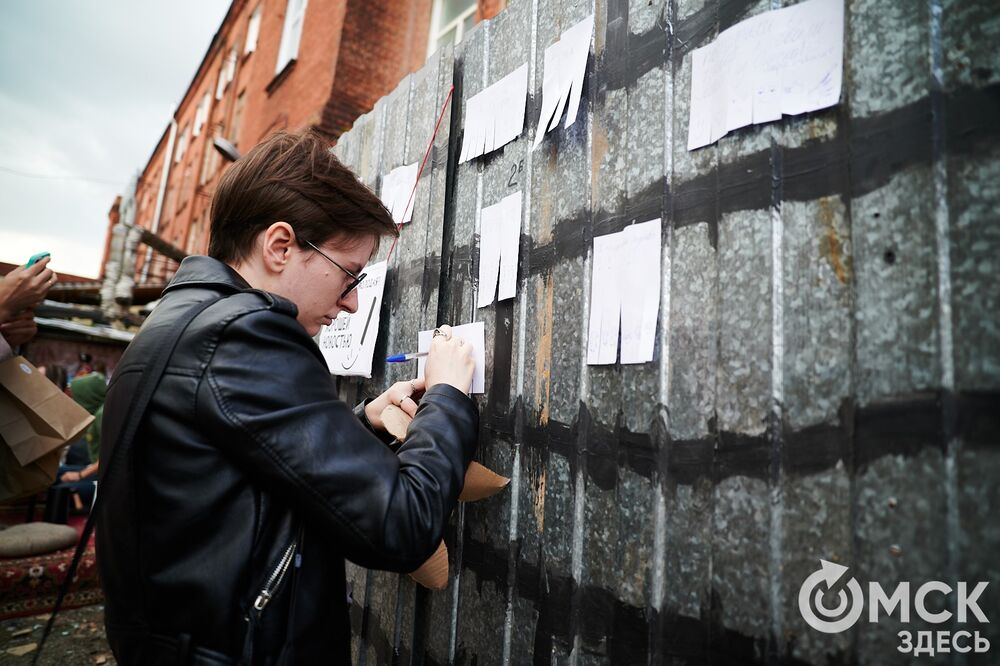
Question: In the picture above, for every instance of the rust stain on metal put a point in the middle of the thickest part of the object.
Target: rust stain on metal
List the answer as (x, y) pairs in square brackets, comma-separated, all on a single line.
[(831, 247), (543, 349), (546, 216), (539, 503)]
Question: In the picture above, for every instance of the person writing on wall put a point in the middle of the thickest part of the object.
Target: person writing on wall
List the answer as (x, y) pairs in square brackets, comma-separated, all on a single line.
[(224, 528)]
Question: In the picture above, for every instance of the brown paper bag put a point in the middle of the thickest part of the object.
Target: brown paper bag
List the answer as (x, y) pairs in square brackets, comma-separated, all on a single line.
[(36, 420)]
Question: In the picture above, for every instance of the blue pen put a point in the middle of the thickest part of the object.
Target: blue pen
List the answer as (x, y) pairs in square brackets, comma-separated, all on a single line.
[(399, 358)]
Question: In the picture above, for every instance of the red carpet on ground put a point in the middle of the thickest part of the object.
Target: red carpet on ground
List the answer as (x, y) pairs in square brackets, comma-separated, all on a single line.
[(29, 585)]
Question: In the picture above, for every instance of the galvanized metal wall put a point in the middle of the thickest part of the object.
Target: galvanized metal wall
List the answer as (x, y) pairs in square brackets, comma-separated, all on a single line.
[(826, 375)]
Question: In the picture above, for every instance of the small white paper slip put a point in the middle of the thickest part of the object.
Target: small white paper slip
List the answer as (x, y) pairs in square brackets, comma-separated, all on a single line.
[(605, 300), (565, 65), (490, 221), (348, 344), (510, 246), (625, 295), (641, 291), (499, 244), (495, 116), (397, 186), (474, 334)]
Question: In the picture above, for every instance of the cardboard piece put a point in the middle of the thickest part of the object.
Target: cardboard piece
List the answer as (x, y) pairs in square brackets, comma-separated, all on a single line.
[(433, 574), (36, 421), (481, 482)]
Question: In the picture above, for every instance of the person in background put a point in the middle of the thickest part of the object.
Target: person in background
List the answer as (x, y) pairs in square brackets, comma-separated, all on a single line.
[(81, 458), (85, 367), (57, 375)]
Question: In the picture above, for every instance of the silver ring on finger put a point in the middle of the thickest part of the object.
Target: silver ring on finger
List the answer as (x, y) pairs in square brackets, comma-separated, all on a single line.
[(437, 332)]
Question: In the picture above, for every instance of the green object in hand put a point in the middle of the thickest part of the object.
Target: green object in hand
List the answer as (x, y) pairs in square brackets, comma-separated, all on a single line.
[(36, 258)]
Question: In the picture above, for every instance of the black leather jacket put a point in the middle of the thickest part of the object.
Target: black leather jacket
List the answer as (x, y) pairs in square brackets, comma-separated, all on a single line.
[(245, 464)]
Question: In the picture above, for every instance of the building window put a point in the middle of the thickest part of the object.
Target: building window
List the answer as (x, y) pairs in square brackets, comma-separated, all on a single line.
[(295, 13), (201, 114), (450, 20), (220, 86), (185, 191), (253, 30), (182, 143), (231, 66), (227, 72), (209, 160), (234, 129)]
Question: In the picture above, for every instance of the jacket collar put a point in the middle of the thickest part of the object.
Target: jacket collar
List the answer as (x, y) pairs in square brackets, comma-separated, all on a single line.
[(206, 272)]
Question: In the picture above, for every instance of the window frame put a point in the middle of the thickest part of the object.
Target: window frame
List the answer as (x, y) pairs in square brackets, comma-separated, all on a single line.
[(201, 114), (286, 54), (253, 31), (182, 144), (438, 31)]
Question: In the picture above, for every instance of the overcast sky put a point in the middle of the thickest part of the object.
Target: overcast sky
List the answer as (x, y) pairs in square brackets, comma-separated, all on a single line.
[(86, 90)]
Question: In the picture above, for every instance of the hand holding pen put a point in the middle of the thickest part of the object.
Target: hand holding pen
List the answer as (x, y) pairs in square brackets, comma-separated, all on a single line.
[(449, 360)]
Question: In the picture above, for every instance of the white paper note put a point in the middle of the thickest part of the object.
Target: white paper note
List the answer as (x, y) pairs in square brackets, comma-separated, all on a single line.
[(510, 245), (495, 116), (641, 292), (565, 67), (499, 244), (397, 188), (787, 61), (625, 295), (349, 342), (490, 221), (474, 334), (605, 300)]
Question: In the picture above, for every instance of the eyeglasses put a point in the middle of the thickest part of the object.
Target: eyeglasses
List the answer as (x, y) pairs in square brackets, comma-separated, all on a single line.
[(355, 279)]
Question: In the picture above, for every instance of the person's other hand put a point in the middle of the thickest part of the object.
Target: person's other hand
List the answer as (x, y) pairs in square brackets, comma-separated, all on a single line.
[(402, 394), (21, 329), (449, 361), (23, 288), (70, 477)]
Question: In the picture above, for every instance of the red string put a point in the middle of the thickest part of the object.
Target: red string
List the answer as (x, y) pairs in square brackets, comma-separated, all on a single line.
[(427, 153)]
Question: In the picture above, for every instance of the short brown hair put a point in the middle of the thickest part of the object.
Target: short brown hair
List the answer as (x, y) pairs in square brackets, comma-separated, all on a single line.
[(292, 177)]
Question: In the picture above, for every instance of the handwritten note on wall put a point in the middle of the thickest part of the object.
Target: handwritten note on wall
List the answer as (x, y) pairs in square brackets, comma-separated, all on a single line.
[(625, 295), (565, 65), (499, 243), (495, 116), (786, 61), (397, 188), (349, 342), (473, 334)]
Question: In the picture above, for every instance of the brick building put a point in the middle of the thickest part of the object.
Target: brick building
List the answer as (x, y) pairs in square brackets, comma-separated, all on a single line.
[(273, 65)]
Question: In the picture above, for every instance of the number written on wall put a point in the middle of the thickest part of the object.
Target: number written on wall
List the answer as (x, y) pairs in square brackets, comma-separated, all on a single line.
[(515, 169)]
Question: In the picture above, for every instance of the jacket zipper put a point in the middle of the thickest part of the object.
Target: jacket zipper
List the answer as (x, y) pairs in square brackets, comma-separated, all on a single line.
[(274, 580)]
